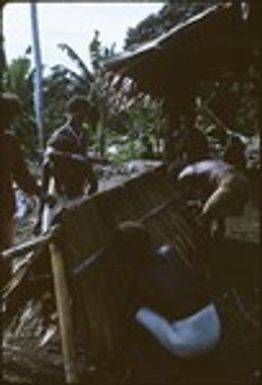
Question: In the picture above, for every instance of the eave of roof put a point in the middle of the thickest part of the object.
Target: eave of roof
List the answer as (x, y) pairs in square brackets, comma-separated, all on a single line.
[(209, 45)]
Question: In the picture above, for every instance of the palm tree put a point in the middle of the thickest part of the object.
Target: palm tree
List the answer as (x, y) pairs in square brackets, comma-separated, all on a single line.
[(90, 83), (111, 95), (17, 77), (83, 80)]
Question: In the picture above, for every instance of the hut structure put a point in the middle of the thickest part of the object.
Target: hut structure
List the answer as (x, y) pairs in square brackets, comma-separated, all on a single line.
[(218, 44), (69, 283)]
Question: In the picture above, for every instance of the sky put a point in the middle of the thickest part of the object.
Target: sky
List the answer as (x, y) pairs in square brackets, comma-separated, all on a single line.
[(73, 24)]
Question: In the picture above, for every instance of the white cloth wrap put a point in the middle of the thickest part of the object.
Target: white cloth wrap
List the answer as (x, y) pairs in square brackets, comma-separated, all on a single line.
[(193, 335)]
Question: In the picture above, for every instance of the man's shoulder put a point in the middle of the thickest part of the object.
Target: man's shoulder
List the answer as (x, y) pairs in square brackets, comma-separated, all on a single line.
[(62, 130), (60, 134)]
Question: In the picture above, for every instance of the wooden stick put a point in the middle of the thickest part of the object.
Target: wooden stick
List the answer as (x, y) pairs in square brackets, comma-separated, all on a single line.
[(64, 314), (63, 298), (26, 247), (216, 119)]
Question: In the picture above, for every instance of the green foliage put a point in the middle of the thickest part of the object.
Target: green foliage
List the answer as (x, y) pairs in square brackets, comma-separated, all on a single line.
[(18, 78), (236, 103), (172, 13), (56, 91), (95, 52)]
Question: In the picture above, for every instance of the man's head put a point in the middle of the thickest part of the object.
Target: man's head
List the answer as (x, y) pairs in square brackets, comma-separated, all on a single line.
[(10, 107), (131, 242), (79, 107)]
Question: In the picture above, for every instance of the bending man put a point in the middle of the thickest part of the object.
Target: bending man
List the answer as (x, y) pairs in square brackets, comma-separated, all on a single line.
[(223, 189)]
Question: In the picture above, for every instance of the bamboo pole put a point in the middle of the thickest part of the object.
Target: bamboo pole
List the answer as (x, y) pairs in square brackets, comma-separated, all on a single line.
[(62, 296), (64, 313)]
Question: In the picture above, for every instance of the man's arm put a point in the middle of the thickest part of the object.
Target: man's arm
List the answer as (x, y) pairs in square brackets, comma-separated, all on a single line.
[(45, 180), (22, 176), (53, 154)]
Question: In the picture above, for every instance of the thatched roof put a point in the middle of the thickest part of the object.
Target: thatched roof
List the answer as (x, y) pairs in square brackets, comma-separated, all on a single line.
[(218, 42)]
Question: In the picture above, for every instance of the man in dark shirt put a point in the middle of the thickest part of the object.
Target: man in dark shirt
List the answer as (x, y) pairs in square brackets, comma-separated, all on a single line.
[(13, 168), (66, 159), (66, 153)]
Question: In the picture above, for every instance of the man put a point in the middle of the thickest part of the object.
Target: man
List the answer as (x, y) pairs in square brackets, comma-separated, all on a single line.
[(220, 186), (13, 168), (66, 159), (66, 151)]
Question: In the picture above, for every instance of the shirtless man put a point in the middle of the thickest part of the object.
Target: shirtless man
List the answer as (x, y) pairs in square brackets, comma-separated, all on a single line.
[(13, 168), (220, 186)]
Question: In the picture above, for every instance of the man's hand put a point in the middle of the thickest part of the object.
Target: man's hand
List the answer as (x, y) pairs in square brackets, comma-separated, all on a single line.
[(78, 158), (53, 154), (103, 161), (49, 199), (37, 227), (93, 187)]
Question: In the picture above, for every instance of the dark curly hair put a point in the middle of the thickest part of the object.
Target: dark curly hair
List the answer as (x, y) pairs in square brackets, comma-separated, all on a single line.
[(78, 103), (10, 105)]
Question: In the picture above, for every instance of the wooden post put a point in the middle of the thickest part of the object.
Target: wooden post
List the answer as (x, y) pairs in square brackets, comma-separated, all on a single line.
[(64, 314), (62, 298)]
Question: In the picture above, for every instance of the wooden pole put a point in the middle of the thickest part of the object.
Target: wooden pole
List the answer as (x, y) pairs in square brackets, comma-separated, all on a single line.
[(64, 314), (62, 296), (27, 247)]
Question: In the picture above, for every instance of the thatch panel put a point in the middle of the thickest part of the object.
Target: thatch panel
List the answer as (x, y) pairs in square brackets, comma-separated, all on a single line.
[(115, 205), (102, 286), (88, 225), (95, 278), (83, 231), (87, 229), (168, 226)]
